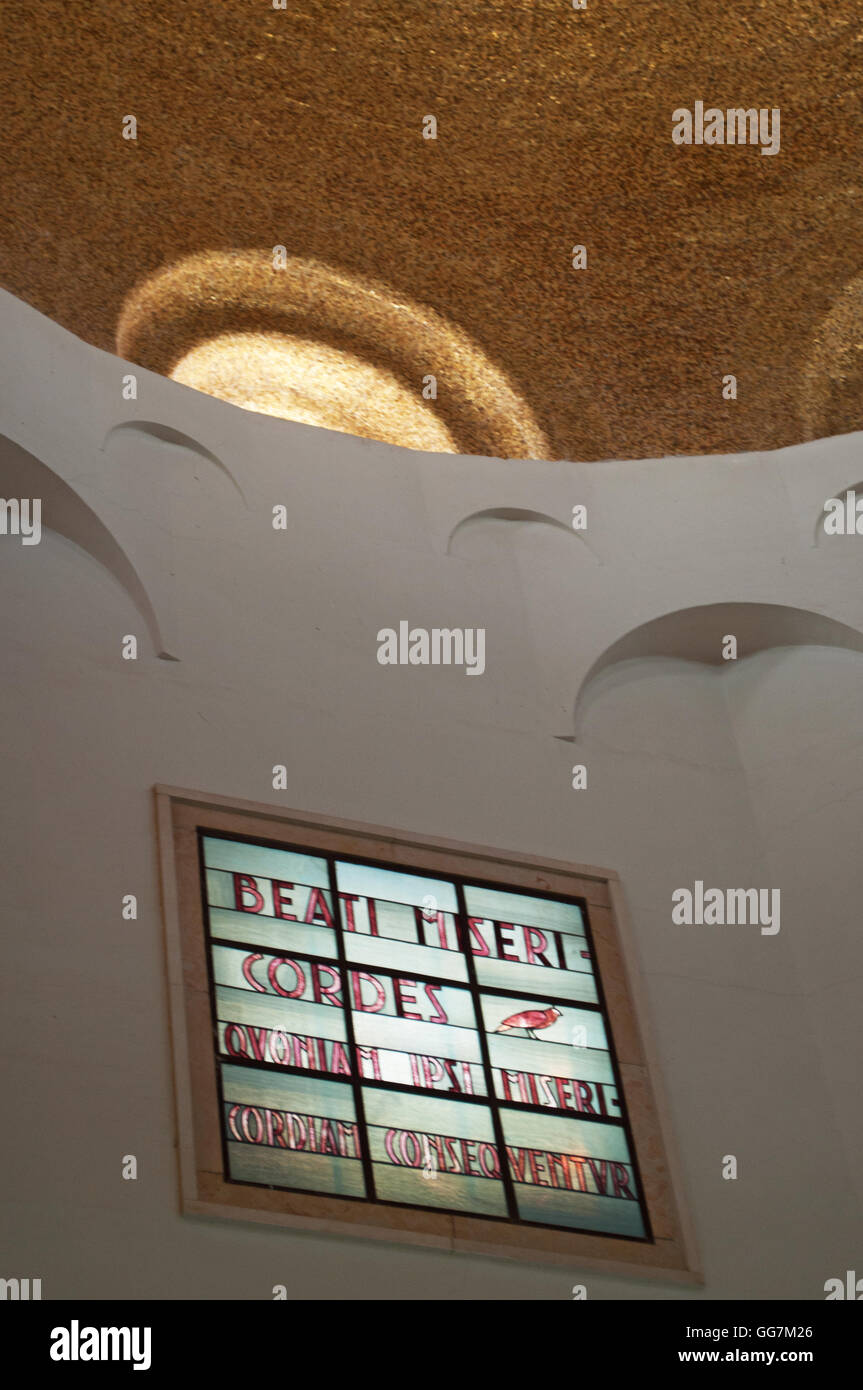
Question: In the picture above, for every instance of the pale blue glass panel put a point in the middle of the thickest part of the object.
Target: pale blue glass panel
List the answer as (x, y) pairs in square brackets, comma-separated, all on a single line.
[(536, 979), (268, 1011), (261, 860), (471, 1195), (568, 1171), (436, 1040), (502, 906), (300, 1094), (291, 1131), (400, 955), (315, 1020), (606, 1215), (428, 1151), (272, 932), (321, 1173), (394, 886), (559, 1133)]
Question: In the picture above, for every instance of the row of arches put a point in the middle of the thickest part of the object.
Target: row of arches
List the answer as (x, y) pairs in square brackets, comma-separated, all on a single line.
[(687, 634)]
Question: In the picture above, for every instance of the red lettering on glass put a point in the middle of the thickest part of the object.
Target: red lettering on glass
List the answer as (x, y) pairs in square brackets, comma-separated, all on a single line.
[(432, 1071), (490, 1169), (275, 1130), (559, 1161), (244, 883), (402, 998), (600, 1177), (620, 1178), (579, 1169), (257, 1137), (369, 1054), (280, 902), (296, 1127), (357, 976), (328, 1143), (516, 1163), (479, 946), (274, 966), (499, 929), (247, 973), (468, 1154), (415, 1158), (584, 1098), (439, 1014), (232, 1047), (534, 954), (318, 908), (349, 899), (326, 993)]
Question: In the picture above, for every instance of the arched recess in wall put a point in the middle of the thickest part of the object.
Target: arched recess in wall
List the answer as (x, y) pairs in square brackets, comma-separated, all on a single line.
[(833, 380), (152, 432), (513, 518), (22, 474), (698, 634), (304, 342)]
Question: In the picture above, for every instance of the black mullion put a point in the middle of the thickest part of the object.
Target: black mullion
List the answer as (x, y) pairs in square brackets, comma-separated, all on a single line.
[(464, 937), (356, 1082)]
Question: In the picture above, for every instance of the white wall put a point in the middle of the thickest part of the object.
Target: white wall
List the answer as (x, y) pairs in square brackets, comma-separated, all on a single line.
[(742, 776)]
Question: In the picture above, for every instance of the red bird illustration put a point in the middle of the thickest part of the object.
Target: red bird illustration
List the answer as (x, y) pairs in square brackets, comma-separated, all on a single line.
[(529, 1020)]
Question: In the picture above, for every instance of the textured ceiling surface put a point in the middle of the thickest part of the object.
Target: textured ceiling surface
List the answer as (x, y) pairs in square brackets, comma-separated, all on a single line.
[(303, 127)]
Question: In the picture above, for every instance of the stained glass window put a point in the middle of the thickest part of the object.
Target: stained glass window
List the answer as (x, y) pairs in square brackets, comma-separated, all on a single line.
[(401, 1038)]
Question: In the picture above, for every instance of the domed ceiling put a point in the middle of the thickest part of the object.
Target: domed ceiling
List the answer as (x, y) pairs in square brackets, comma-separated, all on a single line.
[(287, 221)]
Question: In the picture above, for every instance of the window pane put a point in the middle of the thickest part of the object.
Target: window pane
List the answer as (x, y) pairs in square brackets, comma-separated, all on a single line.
[(418, 1034), (293, 1131), (402, 920), (572, 1173), (365, 1024), (284, 1011), (269, 897), (554, 1056), (430, 1152), (533, 945)]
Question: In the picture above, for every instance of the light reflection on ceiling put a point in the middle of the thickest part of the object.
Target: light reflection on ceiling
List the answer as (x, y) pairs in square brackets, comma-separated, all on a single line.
[(313, 384)]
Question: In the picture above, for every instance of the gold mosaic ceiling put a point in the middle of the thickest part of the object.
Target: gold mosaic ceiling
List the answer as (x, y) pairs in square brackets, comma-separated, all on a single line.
[(302, 126)]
